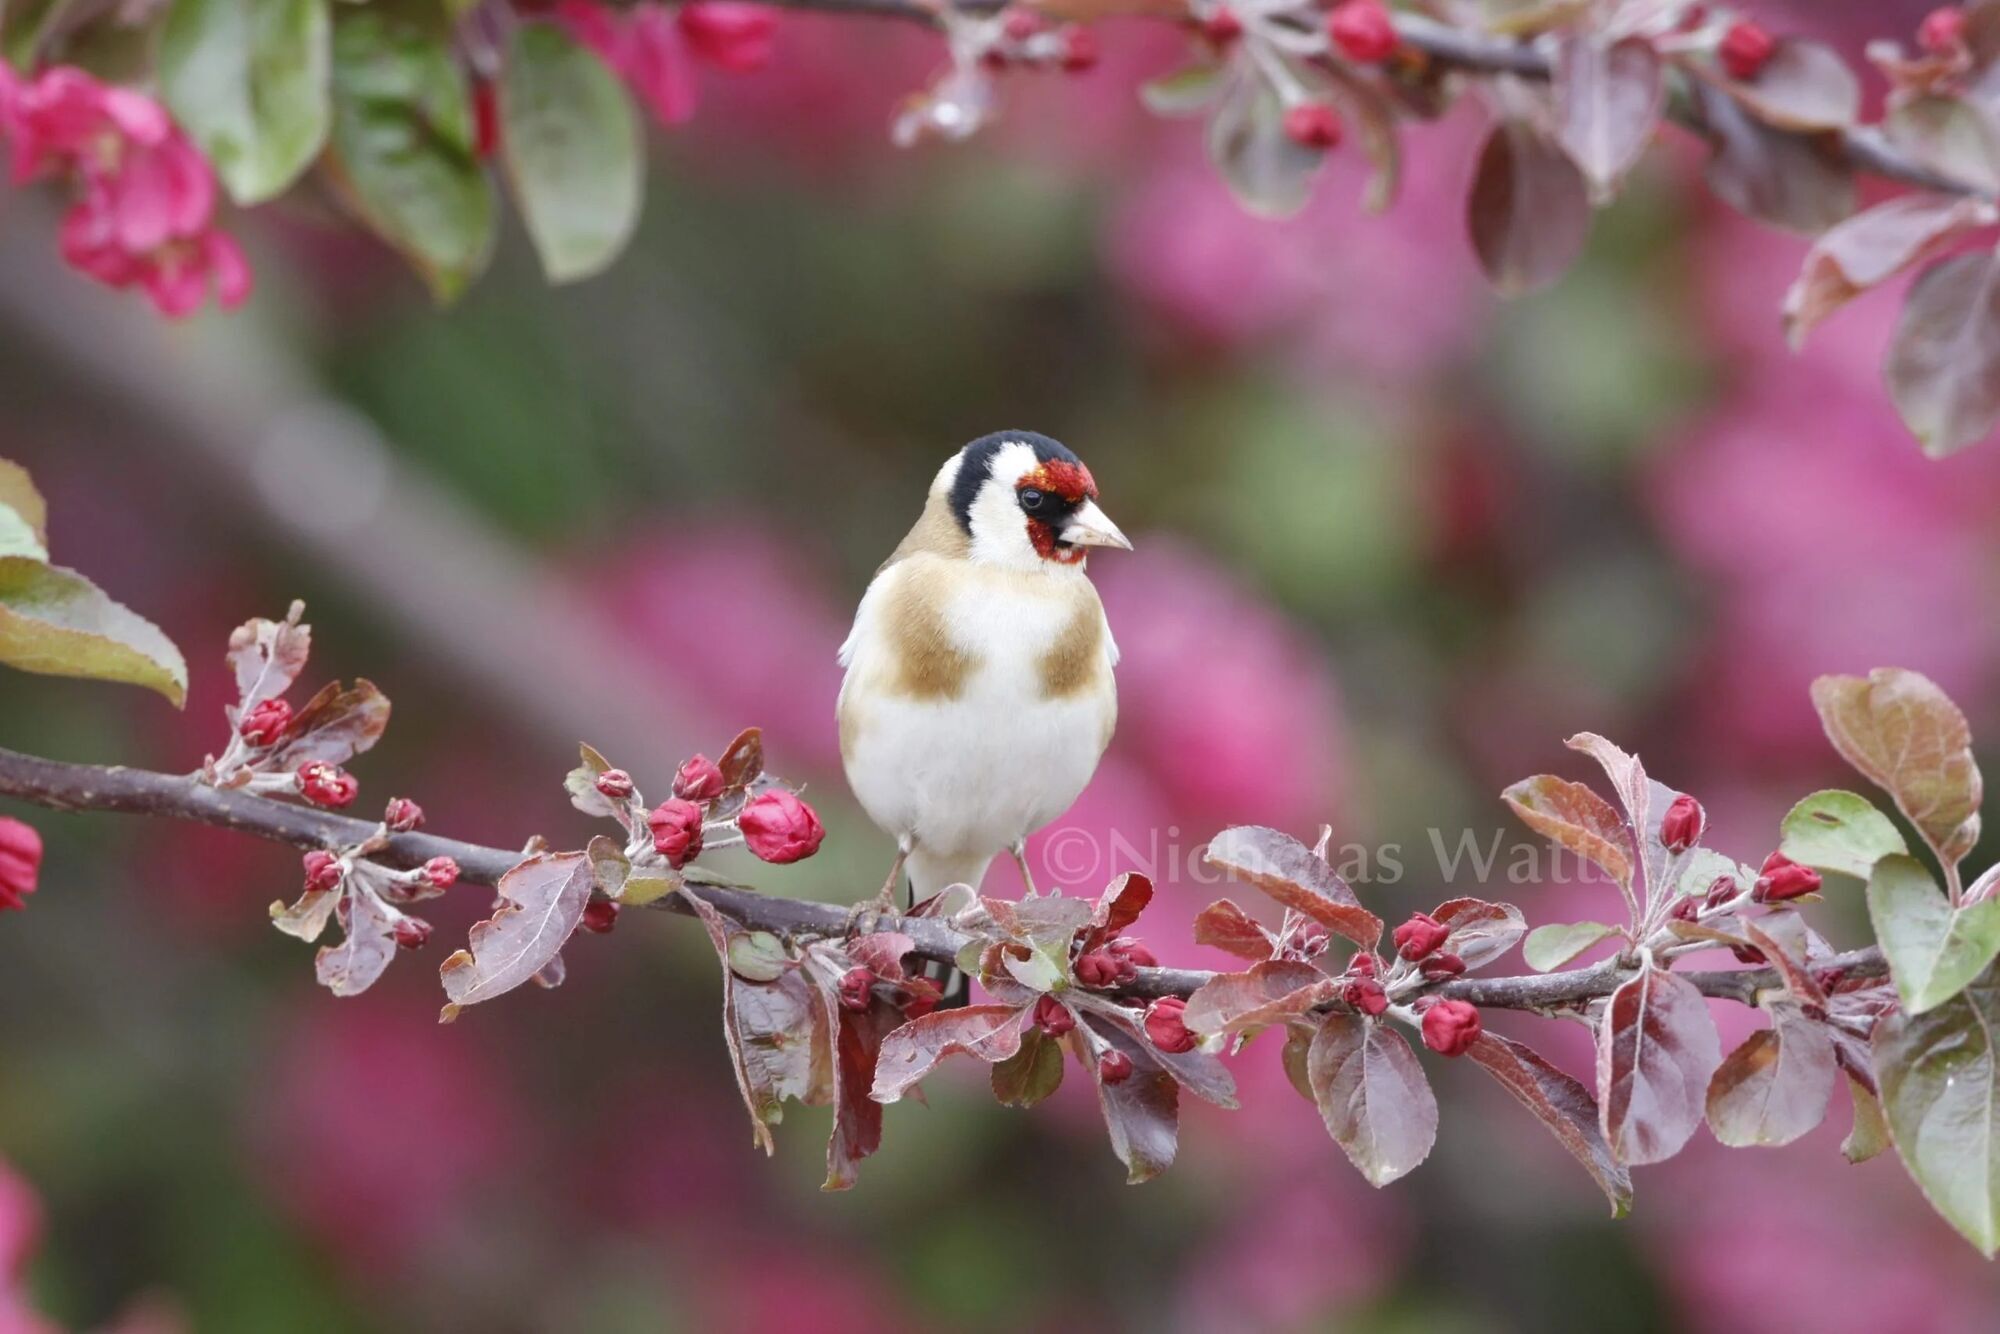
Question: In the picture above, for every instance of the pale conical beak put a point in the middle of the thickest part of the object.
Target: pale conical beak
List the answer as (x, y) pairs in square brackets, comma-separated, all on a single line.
[(1088, 526)]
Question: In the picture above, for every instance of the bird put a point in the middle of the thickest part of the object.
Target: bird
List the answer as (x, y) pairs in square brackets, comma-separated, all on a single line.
[(979, 696)]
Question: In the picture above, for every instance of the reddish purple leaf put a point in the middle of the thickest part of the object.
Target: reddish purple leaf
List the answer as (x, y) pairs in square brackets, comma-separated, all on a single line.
[(1575, 818), (785, 1042), (1296, 877), (1227, 927), (742, 763), (363, 955), (1803, 86), (1774, 1087), (1529, 210), (335, 726), (1656, 1052), (1608, 97), (857, 1117), (541, 901), (266, 657), (989, 1032), (1872, 247), (1560, 1103), (1788, 180), (1142, 1112), (1272, 992), (1372, 1095), (881, 952), (1120, 904), (1480, 932), (1199, 1072)]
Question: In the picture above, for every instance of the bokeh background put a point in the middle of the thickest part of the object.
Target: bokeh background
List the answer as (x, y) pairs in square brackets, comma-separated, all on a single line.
[(1395, 542)]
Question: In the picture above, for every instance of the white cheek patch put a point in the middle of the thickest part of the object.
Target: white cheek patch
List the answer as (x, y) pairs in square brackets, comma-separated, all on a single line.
[(999, 528)]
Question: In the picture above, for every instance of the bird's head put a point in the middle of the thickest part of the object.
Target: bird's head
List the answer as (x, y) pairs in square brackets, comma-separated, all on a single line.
[(1025, 501)]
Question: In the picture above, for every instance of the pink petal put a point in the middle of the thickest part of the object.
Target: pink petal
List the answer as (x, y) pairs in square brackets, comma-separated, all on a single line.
[(85, 241), (734, 38), (658, 67), (177, 283), (595, 27), (232, 270), (138, 117)]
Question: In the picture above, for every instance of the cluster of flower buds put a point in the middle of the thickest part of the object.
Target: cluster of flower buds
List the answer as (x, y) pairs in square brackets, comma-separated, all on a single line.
[(1166, 1025), (1781, 878), (20, 861), (1451, 1026), (267, 724), (1721, 892), (1745, 50), (1026, 38), (1114, 963), (1419, 936), (1681, 827), (1360, 988)]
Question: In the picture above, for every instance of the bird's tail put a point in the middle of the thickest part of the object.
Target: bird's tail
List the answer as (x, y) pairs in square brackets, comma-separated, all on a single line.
[(930, 875)]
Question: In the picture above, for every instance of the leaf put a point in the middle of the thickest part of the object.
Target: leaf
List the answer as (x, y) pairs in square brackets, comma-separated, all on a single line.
[(1227, 927), (1480, 932), (782, 1042), (718, 930), (1296, 1057), (1372, 1095), (1142, 1113), (1933, 949), (1608, 99), (307, 918), (1870, 1133), (1841, 832), (1197, 1071), (266, 657), (742, 761), (1773, 1088), (249, 81), (1185, 92), (55, 622), (571, 143), (581, 784), (402, 151), (1271, 992), (1784, 938), (1575, 818), (542, 900), (1529, 211), (1942, 1099), (1944, 361), (757, 956), (18, 493), (1560, 1103), (352, 966), (1904, 734), (1949, 135), (989, 1032), (1872, 247), (1270, 175), (1803, 86), (857, 1118), (1030, 1074), (1657, 1049), (1296, 877), (335, 726), (1120, 905), (1548, 948), (17, 538), (1788, 180)]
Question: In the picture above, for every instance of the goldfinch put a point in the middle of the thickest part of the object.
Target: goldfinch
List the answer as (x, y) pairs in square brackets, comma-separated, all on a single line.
[(979, 697)]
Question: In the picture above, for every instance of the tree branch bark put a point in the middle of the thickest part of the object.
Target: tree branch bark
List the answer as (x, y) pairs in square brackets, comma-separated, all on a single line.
[(114, 788)]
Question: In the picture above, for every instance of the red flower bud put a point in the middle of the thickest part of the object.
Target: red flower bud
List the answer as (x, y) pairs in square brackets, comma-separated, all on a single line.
[(857, 989), (778, 827), (600, 915), (1942, 30), (1102, 968), (327, 785), (1441, 965), (1366, 995), (1681, 826), (1313, 125), (1745, 50), (1053, 1017), (1686, 908), (1308, 938), (700, 779), (1720, 891), (735, 38), (1419, 936), (1166, 1026), (485, 119), (1782, 878), (323, 870), (20, 861), (1080, 53), (1363, 964), (1114, 1067), (1221, 28), (442, 872), (615, 784), (1021, 24), (1749, 954), (1128, 950), (916, 1002), (412, 932), (676, 826), (1450, 1026), (403, 815), (266, 724), (1361, 30)]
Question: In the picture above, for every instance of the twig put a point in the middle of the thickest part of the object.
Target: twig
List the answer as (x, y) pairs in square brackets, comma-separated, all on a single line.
[(87, 787)]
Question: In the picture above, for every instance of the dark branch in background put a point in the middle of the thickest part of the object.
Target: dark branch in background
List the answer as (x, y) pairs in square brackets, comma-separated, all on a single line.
[(86, 787), (1863, 146)]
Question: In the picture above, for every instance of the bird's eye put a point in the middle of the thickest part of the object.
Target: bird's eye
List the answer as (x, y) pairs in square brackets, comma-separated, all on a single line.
[(1033, 501)]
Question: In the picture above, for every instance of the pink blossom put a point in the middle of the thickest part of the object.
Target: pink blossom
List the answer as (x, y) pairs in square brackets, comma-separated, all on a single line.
[(735, 38), (655, 49), (20, 1224)]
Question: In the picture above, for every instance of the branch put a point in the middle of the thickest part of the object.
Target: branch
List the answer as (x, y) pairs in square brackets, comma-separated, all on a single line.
[(88, 787)]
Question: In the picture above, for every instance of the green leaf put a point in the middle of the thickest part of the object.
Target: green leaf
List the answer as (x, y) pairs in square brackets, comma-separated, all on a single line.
[(1030, 1074), (56, 622), (1550, 947), (571, 143), (1870, 1133), (17, 492), (1933, 949), (402, 150), (249, 79), (756, 956), (1839, 831), (1942, 1097), (1184, 92), (18, 537)]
